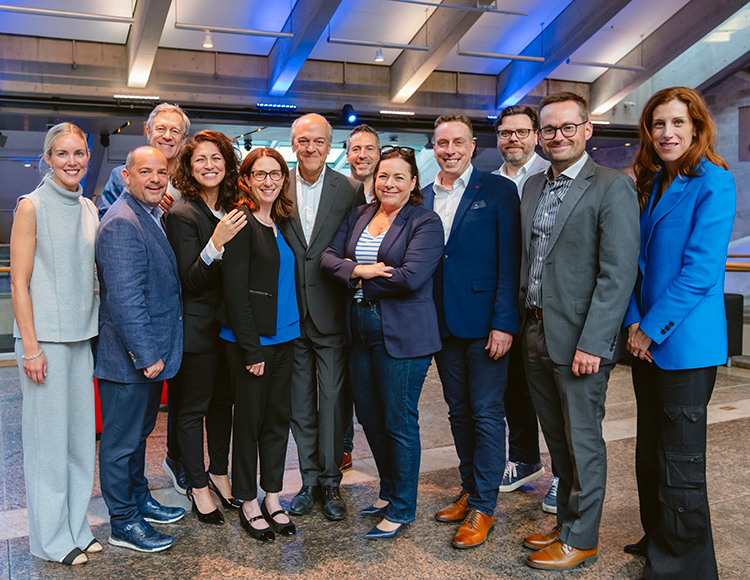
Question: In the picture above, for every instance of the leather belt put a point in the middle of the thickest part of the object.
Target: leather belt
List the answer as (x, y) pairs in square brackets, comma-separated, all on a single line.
[(535, 312)]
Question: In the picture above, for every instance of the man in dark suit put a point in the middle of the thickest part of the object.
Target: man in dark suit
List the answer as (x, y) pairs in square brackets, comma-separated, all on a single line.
[(323, 198), (578, 267), (140, 345), (476, 285)]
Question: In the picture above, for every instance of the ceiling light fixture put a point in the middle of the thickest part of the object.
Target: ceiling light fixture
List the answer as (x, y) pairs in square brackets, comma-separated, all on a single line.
[(398, 113), (594, 122), (379, 55), (377, 44), (66, 14), (491, 117), (136, 97), (207, 41), (240, 31), (500, 56), (603, 65), (479, 8), (275, 106), (349, 114)]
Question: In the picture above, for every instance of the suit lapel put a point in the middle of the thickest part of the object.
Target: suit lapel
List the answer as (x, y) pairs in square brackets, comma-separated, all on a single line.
[(529, 204), (472, 188), (294, 220), (207, 212), (429, 197), (327, 195), (579, 186), (671, 197), (395, 230), (148, 224)]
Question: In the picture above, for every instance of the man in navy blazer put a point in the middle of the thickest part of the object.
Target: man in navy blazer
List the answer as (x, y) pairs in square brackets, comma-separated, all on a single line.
[(140, 345), (476, 285)]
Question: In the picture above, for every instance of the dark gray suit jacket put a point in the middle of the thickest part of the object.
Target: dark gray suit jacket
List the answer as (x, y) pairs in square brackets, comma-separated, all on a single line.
[(318, 295), (590, 270)]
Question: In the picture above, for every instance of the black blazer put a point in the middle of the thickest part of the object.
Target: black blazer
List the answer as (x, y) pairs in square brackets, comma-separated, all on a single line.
[(190, 225), (251, 285)]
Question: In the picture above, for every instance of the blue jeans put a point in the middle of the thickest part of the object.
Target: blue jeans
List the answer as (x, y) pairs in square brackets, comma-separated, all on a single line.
[(386, 392)]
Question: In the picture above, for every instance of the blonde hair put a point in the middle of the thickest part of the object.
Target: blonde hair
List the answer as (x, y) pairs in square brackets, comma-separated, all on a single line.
[(51, 138)]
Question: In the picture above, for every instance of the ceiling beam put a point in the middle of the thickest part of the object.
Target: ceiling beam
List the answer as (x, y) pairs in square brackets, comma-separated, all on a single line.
[(143, 39), (564, 35), (673, 38), (307, 21), (442, 31)]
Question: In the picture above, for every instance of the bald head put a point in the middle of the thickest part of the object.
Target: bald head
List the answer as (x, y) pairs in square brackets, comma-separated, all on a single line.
[(145, 174)]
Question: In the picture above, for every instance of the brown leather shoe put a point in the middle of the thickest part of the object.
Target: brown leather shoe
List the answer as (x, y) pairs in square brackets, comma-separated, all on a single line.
[(455, 512), (560, 556), (541, 541), (347, 462), (473, 532)]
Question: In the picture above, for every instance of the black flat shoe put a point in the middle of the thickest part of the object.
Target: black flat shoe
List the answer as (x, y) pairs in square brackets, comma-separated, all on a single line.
[(215, 517), (231, 503), (75, 557), (281, 529), (265, 535), (638, 549)]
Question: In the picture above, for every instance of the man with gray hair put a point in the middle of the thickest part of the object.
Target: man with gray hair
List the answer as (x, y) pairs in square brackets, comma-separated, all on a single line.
[(167, 129), (323, 198)]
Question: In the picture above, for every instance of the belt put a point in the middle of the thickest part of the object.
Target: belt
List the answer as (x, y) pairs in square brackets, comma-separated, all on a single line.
[(364, 302), (535, 313)]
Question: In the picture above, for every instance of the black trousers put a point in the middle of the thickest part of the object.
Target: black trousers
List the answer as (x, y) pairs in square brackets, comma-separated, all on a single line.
[(671, 470), (262, 406), (219, 420), (523, 430), (199, 379)]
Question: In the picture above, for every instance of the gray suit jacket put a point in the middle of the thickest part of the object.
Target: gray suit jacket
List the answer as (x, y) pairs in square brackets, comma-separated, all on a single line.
[(318, 295), (591, 267)]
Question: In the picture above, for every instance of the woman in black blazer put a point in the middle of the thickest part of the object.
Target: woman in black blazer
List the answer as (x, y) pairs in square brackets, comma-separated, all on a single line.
[(261, 301), (386, 253), (198, 227)]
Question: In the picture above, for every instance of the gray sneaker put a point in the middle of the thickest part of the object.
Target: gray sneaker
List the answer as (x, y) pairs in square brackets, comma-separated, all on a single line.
[(518, 474), (549, 503)]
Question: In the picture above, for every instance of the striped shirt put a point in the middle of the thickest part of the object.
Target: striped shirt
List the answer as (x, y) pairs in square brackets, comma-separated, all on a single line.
[(541, 228), (366, 251)]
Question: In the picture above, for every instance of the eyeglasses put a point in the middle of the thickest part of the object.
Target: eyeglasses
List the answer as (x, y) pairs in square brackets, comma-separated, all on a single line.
[(520, 133), (405, 151), (567, 130), (275, 175)]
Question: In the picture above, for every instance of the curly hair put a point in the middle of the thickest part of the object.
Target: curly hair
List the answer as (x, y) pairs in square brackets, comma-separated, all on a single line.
[(647, 162), (183, 180), (283, 205)]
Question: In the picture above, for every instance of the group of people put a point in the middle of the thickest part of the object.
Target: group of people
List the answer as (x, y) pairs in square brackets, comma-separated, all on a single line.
[(269, 299)]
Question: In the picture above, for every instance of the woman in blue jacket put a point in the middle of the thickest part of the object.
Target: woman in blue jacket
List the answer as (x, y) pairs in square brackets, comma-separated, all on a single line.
[(386, 253), (677, 327)]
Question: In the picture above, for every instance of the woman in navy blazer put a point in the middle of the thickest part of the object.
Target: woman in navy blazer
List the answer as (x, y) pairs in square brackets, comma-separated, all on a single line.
[(677, 327), (386, 253)]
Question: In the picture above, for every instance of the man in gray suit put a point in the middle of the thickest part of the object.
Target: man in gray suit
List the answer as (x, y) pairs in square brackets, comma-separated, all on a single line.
[(323, 198), (578, 266)]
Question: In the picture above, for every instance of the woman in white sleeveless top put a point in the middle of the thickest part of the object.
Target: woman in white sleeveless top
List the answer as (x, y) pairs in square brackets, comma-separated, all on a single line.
[(52, 287)]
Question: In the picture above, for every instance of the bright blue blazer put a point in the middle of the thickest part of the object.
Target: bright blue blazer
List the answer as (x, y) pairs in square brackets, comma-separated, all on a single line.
[(679, 295), (140, 316), (412, 246), (476, 283)]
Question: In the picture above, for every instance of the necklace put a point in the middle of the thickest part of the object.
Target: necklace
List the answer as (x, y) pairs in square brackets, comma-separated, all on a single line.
[(380, 223), (265, 221)]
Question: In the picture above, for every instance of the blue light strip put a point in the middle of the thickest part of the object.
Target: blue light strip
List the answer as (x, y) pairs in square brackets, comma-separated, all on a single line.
[(280, 106)]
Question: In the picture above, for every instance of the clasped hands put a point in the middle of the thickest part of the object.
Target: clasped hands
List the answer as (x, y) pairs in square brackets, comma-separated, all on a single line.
[(639, 344)]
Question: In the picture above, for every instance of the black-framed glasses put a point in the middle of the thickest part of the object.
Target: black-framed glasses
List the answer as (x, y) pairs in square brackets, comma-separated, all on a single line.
[(275, 175), (568, 130), (505, 135), (405, 151)]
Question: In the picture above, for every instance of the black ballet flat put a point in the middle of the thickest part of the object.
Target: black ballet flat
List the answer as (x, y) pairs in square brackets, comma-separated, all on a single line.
[(281, 529), (265, 535), (215, 517), (231, 503)]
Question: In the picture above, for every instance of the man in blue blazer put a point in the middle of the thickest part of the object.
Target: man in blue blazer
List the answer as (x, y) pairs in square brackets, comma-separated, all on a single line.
[(476, 285), (140, 345)]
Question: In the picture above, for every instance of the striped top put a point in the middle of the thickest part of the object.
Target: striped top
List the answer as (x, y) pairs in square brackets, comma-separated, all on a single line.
[(366, 251)]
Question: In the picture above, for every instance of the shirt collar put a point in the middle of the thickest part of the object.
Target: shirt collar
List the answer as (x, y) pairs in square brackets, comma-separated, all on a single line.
[(150, 209), (526, 166), (464, 179), (318, 182)]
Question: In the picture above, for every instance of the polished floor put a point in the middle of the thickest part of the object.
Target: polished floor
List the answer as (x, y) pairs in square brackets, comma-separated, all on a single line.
[(323, 549)]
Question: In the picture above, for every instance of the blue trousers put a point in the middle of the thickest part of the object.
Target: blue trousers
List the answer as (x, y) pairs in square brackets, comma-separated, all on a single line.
[(129, 413), (474, 387), (386, 392)]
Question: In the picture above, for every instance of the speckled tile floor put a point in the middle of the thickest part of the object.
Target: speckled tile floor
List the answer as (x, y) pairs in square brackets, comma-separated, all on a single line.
[(326, 550)]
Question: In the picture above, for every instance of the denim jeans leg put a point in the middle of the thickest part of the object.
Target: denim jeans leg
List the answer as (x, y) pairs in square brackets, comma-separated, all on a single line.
[(366, 397)]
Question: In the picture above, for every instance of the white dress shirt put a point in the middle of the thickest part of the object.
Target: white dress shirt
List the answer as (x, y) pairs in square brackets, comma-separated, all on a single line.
[(518, 177), (447, 200), (308, 201)]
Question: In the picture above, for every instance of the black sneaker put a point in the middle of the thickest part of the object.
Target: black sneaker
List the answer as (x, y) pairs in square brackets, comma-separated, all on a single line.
[(176, 471)]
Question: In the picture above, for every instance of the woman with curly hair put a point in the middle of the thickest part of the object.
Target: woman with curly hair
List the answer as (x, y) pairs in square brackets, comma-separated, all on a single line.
[(677, 327), (198, 227)]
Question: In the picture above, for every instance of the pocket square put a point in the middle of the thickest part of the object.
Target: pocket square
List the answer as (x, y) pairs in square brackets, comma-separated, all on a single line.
[(479, 204)]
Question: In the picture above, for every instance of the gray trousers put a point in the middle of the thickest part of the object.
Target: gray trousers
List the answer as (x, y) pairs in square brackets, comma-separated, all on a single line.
[(571, 411), (59, 448), (316, 420)]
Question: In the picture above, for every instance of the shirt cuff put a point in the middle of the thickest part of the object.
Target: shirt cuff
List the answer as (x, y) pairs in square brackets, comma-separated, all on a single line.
[(210, 253)]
